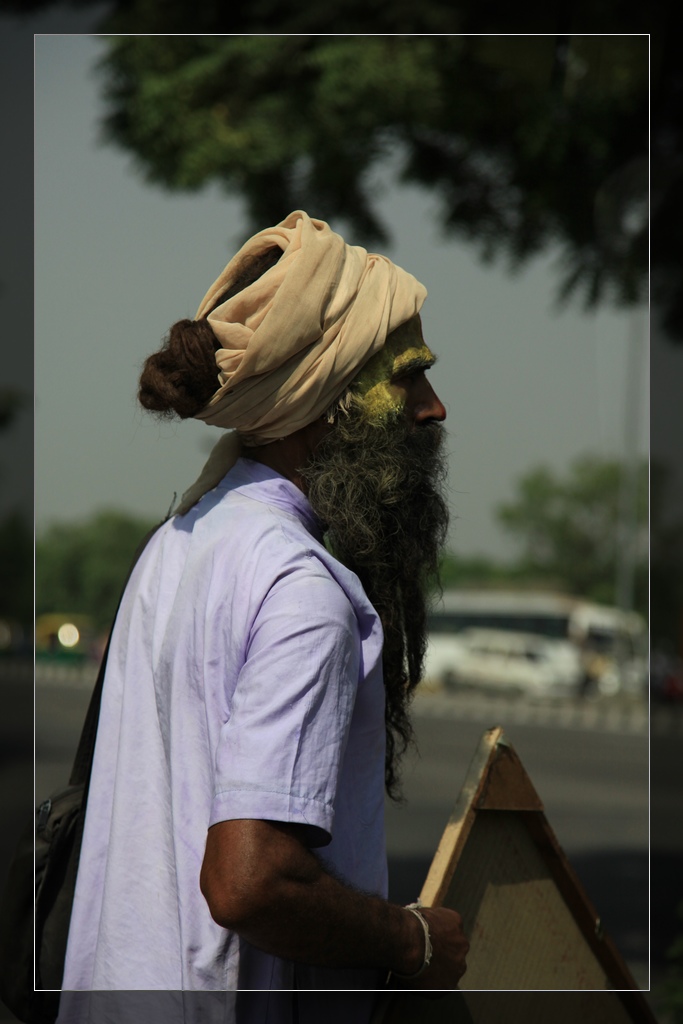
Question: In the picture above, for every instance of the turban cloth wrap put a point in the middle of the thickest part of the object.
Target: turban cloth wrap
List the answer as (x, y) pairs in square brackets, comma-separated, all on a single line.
[(293, 340)]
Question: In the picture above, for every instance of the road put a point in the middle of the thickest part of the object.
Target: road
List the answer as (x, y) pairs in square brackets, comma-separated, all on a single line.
[(590, 767)]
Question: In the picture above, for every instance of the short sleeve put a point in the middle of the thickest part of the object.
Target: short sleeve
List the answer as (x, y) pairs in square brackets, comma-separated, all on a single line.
[(280, 752)]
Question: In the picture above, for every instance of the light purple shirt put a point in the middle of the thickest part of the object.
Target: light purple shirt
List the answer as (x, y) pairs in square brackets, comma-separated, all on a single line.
[(244, 680)]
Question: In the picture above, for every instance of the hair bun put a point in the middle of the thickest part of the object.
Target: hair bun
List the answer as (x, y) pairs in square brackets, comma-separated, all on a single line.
[(182, 376)]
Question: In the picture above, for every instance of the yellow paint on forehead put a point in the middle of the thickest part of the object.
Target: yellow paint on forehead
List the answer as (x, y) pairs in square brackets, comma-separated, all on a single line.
[(373, 384)]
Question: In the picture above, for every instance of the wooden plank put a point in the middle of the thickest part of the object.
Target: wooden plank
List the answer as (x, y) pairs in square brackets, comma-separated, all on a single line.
[(522, 933), (458, 828), (533, 932)]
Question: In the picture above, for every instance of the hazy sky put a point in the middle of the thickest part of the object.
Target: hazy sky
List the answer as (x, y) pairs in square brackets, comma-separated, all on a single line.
[(118, 261)]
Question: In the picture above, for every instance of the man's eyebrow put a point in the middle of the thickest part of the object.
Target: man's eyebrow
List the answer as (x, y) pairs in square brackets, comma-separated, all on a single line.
[(413, 365)]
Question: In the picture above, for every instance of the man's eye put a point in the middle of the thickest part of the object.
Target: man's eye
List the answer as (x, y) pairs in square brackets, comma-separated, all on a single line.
[(410, 376)]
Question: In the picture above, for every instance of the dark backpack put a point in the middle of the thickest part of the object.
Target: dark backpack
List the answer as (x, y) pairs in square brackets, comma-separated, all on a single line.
[(43, 892)]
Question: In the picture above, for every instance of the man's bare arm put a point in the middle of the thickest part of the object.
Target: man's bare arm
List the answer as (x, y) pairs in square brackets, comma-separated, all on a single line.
[(262, 882)]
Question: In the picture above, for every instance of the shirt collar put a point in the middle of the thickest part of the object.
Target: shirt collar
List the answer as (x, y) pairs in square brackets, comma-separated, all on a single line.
[(266, 485)]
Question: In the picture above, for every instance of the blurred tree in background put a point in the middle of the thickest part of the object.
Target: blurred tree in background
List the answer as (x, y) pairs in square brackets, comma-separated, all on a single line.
[(526, 142), (568, 527), (81, 567), (481, 571)]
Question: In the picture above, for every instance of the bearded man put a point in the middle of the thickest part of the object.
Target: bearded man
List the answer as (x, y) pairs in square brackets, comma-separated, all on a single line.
[(267, 645)]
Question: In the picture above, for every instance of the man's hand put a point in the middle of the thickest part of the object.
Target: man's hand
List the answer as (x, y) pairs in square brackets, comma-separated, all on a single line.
[(449, 950)]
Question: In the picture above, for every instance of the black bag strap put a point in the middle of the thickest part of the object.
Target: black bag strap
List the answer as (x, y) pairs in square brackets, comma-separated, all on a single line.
[(80, 773)]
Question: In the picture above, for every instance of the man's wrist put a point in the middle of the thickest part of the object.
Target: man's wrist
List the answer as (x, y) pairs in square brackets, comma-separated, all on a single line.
[(416, 948)]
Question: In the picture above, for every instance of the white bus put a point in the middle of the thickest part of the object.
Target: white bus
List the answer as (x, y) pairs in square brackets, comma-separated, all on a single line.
[(610, 643)]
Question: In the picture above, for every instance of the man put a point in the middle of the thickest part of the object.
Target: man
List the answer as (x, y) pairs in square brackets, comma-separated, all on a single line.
[(255, 703)]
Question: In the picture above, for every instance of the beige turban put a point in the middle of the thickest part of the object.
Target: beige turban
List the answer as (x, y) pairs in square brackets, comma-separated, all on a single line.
[(293, 340)]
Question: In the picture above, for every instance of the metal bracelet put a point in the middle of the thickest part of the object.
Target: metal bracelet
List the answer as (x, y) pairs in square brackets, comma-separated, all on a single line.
[(414, 908)]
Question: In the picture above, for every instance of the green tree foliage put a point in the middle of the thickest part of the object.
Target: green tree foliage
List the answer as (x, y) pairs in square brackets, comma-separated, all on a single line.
[(480, 571), (568, 526), (364, 16), (81, 567), (525, 141), (525, 132)]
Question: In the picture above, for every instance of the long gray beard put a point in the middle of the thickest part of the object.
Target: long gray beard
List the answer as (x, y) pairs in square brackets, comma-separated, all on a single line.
[(379, 492)]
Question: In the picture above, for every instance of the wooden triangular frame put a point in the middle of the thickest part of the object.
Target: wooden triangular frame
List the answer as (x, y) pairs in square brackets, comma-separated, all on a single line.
[(534, 934)]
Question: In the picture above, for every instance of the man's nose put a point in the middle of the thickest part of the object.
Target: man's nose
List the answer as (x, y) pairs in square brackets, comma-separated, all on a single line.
[(429, 406)]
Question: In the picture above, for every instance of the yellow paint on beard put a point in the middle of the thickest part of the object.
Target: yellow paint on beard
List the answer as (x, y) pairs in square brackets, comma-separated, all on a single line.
[(379, 397)]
